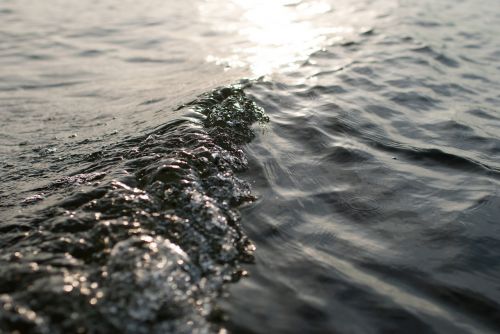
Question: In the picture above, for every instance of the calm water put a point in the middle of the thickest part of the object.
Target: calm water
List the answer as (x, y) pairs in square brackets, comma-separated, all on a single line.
[(346, 180)]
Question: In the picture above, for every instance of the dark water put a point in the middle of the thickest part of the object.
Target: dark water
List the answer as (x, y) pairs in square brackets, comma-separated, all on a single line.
[(364, 200)]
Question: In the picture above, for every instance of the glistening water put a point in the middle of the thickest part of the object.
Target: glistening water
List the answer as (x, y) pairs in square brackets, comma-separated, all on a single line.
[(249, 166)]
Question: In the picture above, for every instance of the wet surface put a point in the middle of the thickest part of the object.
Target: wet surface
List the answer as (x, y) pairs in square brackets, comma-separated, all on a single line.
[(149, 238)]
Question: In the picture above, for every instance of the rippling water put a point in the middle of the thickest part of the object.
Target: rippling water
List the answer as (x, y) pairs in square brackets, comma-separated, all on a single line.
[(345, 180)]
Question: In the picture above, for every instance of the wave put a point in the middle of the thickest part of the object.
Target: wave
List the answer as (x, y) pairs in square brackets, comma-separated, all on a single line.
[(149, 243)]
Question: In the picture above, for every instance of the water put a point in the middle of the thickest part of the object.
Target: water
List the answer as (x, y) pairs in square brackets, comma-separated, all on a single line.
[(367, 202)]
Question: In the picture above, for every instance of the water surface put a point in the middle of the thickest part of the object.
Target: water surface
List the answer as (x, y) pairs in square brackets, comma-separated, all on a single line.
[(368, 199)]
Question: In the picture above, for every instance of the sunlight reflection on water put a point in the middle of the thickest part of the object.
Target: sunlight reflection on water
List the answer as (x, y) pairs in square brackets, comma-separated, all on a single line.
[(276, 35)]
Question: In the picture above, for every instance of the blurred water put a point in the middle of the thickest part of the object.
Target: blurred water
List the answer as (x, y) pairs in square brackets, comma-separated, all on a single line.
[(376, 177)]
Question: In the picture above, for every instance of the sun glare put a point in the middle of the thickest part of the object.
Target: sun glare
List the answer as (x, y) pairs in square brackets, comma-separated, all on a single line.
[(273, 34)]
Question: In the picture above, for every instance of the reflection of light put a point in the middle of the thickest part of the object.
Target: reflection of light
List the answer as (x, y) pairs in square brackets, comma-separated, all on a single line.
[(275, 34)]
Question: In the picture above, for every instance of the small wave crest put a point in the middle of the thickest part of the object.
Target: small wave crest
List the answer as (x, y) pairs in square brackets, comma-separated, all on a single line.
[(149, 248)]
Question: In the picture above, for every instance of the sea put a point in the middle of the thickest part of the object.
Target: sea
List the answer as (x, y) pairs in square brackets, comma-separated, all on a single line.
[(249, 166)]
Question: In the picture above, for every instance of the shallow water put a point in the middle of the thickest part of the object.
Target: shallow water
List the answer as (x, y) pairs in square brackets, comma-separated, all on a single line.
[(374, 185)]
